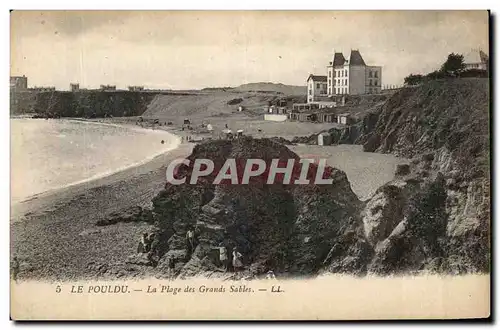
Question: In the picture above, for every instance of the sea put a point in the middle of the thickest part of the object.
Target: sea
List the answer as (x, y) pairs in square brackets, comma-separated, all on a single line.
[(52, 154)]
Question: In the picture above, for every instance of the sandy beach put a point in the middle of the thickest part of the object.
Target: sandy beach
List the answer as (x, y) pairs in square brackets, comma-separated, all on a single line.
[(55, 237)]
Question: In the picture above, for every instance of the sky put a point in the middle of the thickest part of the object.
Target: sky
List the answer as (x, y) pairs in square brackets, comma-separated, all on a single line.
[(196, 49)]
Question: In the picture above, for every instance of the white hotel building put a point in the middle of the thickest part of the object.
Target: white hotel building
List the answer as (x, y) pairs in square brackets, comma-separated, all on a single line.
[(347, 77)]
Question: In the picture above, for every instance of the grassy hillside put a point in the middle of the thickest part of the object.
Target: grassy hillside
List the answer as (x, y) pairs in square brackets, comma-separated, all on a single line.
[(212, 104)]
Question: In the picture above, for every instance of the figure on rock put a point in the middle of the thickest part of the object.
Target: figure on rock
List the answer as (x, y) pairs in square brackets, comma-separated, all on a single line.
[(190, 240), (237, 262), (144, 244), (153, 250), (224, 260)]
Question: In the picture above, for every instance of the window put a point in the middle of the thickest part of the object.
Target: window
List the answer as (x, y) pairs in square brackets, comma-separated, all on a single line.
[(370, 82), (329, 73), (370, 74), (310, 92), (317, 85), (375, 82), (345, 82), (329, 82), (346, 73), (376, 75), (335, 73), (329, 90)]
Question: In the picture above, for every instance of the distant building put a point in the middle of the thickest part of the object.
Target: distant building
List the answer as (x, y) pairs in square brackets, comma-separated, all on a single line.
[(18, 83), (43, 89), (108, 88), (476, 59), (316, 87), (275, 113), (135, 88), (353, 76), (74, 87)]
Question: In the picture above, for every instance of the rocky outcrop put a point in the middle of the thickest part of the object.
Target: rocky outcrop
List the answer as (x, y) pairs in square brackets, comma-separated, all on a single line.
[(132, 214), (435, 216), (287, 228)]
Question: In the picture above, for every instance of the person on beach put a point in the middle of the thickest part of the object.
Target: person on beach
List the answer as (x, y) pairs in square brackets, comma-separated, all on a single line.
[(224, 260), (153, 250), (144, 244), (237, 263), (171, 268), (270, 275), (190, 240)]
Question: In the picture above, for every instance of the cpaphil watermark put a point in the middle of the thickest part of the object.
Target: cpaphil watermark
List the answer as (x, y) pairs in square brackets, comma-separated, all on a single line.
[(311, 170)]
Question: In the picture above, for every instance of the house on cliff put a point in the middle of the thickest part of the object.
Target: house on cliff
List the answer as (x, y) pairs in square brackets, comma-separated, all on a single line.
[(476, 59), (352, 76), (316, 87)]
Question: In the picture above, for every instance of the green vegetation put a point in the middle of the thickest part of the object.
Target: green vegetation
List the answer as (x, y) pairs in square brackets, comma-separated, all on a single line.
[(453, 67)]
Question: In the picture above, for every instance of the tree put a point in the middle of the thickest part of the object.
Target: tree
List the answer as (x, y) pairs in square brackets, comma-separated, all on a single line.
[(413, 79), (453, 65)]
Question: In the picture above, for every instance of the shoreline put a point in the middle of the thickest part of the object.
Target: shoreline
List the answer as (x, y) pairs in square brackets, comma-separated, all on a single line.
[(176, 143), (147, 164), (63, 221)]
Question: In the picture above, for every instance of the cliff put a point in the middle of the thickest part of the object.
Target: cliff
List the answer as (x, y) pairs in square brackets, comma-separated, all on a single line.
[(444, 126), (435, 215), (85, 104)]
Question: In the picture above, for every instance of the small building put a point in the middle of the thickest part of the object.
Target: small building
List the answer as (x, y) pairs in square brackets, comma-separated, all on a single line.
[(276, 110), (135, 88), (108, 88), (476, 59), (273, 117), (316, 87), (324, 139), (74, 87), (18, 83), (344, 118), (304, 106)]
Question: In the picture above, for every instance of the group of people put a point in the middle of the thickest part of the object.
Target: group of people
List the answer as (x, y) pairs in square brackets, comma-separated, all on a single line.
[(236, 260), (230, 259)]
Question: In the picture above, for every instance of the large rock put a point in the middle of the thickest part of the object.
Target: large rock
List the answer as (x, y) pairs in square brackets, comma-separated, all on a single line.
[(287, 228)]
